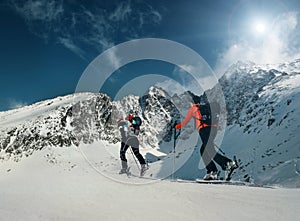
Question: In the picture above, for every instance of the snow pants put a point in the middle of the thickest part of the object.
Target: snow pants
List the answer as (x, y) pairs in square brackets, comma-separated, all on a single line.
[(134, 143), (208, 151)]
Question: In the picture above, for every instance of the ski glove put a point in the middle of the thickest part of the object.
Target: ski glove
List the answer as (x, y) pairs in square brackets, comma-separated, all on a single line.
[(177, 126)]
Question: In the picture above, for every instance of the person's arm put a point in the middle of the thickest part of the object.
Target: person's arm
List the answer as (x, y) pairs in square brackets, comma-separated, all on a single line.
[(187, 118), (123, 127)]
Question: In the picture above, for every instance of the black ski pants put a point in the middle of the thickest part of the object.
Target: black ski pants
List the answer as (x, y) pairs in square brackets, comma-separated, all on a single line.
[(134, 143), (208, 151)]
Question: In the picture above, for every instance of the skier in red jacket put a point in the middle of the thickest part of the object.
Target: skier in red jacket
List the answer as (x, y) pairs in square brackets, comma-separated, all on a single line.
[(207, 133)]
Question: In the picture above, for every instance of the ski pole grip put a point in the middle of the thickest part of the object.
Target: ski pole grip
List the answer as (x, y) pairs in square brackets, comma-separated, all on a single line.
[(175, 122)]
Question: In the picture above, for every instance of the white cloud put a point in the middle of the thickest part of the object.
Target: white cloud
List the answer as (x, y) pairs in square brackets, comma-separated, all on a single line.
[(279, 44), (186, 80), (172, 87), (47, 10), (68, 43), (86, 28), (14, 104), (184, 67), (114, 59), (122, 12), (196, 78)]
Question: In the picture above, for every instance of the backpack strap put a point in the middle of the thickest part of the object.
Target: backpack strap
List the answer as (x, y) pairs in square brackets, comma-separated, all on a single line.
[(202, 124)]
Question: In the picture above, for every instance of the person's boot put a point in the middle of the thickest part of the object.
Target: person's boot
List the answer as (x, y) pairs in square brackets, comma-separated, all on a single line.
[(231, 166), (211, 176), (125, 168), (144, 167)]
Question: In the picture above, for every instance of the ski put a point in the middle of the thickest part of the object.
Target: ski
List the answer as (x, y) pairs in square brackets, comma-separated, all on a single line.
[(219, 182), (146, 177), (224, 182), (232, 182)]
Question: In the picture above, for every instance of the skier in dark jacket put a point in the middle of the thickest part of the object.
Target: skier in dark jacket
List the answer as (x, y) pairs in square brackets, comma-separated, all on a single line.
[(129, 138), (207, 133)]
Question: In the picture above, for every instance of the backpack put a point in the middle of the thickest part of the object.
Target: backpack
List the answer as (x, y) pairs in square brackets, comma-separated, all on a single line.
[(206, 112), (137, 121)]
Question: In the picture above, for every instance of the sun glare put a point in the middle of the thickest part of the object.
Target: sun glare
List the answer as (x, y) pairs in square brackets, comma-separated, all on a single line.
[(260, 27)]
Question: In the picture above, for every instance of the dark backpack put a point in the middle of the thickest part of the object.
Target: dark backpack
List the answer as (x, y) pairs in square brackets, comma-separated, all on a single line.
[(137, 121), (206, 112)]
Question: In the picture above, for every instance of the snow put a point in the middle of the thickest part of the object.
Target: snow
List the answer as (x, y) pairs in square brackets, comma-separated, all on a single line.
[(24, 114), (60, 184)]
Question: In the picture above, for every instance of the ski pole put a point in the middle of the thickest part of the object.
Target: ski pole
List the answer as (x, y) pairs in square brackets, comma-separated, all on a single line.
[(174, 151), (173, 171), (219, 149)]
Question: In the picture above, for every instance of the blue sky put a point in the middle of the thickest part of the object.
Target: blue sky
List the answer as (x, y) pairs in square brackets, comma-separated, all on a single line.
[(45, 46)]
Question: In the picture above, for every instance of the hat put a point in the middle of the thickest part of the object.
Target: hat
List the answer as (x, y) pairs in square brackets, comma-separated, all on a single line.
[(129, 117)]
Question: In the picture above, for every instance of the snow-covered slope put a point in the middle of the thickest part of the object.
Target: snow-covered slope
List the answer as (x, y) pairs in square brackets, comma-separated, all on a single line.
[(263, 116), (66, 187), (62, 121)]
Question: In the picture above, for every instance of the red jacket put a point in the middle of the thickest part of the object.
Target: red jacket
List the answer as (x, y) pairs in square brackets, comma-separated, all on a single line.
[(193, 112)]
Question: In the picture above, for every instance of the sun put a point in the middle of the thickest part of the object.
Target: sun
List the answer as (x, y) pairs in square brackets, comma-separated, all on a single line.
[(260, 27)]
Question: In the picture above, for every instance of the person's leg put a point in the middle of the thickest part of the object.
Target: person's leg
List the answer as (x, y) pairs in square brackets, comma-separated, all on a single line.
[(207, 150), (227, 164), (134, 143), (218, 158), (222, 160), (138, 155), (123, 150)]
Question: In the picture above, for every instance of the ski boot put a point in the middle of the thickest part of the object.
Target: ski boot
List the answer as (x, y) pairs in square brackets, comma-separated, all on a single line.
[(125, 168), (211, 176), (230, 167), (144, 167)]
